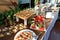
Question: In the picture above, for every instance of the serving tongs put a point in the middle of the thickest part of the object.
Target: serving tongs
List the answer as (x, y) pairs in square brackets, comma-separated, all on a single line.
[(36, 36)]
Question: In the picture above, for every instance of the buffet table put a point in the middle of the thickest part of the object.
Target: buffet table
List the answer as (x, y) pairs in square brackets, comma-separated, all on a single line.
[(49, 23), (50, 26)]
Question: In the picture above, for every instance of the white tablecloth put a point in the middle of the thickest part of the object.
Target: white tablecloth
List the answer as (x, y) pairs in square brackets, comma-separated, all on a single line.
[(47, 33)]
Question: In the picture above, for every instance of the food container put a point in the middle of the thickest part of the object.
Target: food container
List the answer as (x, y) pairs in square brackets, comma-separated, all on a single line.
[(24, 34), (39, 23)]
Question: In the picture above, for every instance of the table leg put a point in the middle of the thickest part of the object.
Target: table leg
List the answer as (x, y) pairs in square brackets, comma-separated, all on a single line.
[(17, 19), (25, 22)]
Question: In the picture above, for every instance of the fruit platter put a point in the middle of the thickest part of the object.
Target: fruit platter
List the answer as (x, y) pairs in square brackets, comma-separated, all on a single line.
[(38, 23)]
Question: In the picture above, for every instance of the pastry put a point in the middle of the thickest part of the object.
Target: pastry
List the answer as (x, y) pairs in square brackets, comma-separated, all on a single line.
[(25, 36)]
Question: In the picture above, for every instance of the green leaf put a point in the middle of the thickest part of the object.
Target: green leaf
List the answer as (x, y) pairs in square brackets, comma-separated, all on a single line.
[(1, 23), (40, 25)]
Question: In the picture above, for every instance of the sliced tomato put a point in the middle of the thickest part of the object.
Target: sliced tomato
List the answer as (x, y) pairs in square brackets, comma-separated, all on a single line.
[(42, 28)]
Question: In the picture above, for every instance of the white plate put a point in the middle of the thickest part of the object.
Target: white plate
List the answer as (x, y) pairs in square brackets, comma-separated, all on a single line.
[(23, 31)]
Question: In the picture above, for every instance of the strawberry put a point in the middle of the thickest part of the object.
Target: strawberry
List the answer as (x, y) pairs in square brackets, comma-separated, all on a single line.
[(39, 18), (36, 19)]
